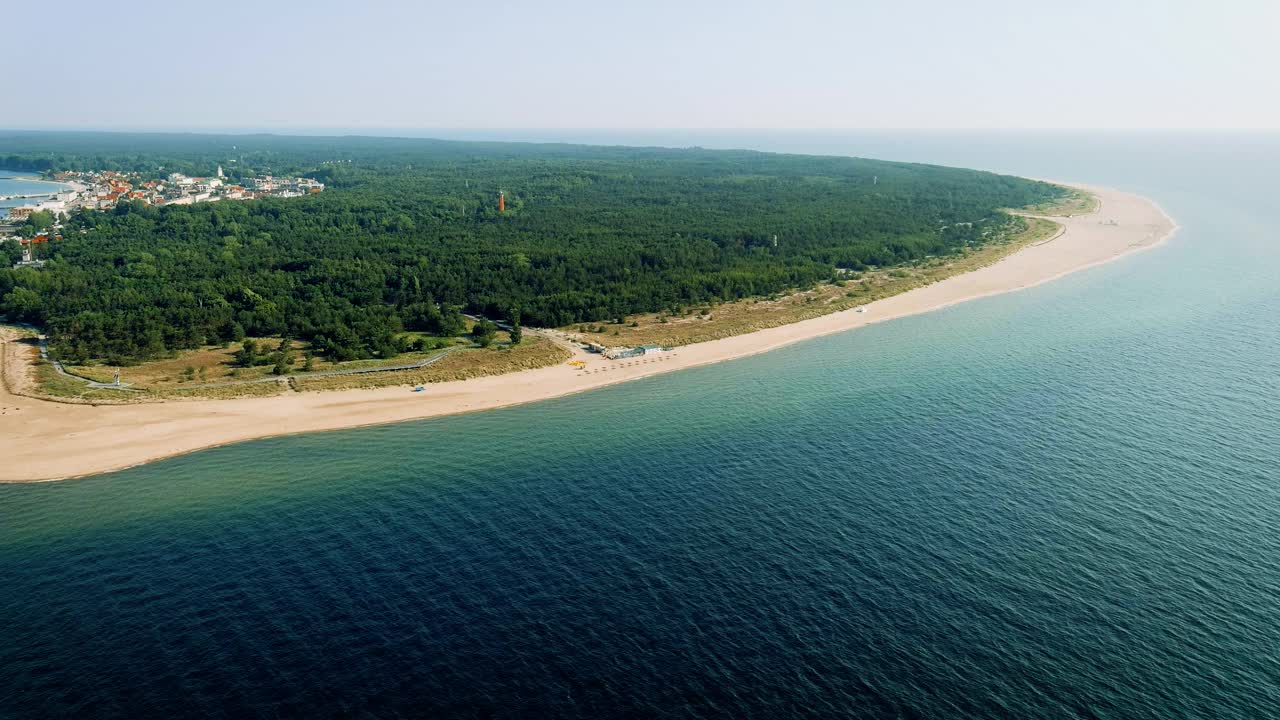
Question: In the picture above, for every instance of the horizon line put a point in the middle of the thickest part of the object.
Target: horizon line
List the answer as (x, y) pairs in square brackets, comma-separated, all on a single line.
[(347, 129)]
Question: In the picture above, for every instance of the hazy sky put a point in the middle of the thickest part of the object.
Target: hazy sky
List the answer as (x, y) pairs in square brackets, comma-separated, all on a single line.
[(678, 64)]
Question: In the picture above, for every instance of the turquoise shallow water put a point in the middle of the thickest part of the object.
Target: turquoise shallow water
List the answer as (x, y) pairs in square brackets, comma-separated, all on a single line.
[(1056, 503)]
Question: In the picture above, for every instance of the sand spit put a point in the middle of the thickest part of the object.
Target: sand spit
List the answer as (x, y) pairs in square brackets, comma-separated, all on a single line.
[(44, 440)]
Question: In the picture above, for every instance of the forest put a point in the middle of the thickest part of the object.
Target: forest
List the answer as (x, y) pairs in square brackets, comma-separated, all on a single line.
[(409, 234)]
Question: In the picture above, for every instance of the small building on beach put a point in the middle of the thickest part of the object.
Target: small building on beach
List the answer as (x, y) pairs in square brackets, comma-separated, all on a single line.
[(638, 351)]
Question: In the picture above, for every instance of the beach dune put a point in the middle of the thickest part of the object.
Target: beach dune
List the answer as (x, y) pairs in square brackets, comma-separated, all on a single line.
[(45, 440)]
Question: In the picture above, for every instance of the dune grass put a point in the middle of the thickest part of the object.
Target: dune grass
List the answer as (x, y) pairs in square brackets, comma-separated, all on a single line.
[(500, 358), (1075, 202), (713, 322)]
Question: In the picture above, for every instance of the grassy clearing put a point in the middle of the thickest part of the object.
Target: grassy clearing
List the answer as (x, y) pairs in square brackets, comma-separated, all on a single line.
[(49, 384), (1075, 202), (744, 316), (497, 359), (191, 373)]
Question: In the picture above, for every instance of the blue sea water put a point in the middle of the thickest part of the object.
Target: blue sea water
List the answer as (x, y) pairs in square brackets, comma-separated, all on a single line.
[(17, 183), (1063, 502)]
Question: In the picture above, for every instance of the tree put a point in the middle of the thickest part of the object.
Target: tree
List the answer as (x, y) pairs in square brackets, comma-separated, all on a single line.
[(284, 352), (22, 304), (452, 322), (517, 334), (397, 243), (36, 222), (482, 332), (153, 344), (247, 355)]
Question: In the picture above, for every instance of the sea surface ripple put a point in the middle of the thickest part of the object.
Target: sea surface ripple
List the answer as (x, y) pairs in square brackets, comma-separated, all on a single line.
[(1059, 503)]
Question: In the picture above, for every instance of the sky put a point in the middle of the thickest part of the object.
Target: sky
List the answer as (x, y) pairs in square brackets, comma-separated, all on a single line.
[(827, 64)]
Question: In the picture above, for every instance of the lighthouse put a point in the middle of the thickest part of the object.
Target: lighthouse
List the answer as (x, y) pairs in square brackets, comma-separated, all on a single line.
[(502, 201)]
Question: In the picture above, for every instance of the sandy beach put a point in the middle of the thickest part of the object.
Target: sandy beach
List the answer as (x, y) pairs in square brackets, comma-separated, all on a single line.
[(45, 440)]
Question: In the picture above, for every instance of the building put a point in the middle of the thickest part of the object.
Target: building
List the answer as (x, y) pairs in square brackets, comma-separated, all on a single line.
[(27, 260), (622, 353)]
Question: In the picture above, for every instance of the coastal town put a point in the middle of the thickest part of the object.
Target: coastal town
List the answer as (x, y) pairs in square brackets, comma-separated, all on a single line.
[(103, 190)]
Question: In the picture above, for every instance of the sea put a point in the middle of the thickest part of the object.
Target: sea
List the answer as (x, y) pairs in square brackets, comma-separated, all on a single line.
[(19, 182), (1062, 502)]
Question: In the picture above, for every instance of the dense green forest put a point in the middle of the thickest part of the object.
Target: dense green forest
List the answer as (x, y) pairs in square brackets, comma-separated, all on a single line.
[(408, 233)]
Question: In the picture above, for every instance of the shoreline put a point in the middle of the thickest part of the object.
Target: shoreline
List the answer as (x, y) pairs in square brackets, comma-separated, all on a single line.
[(58, 441), (63, 187), (32, 179)]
